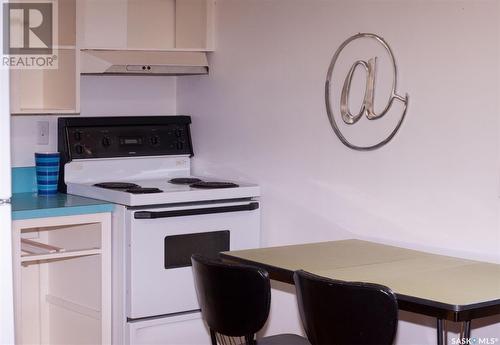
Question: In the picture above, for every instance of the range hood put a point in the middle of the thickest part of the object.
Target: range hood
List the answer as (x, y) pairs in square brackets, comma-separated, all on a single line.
[(143, 62)]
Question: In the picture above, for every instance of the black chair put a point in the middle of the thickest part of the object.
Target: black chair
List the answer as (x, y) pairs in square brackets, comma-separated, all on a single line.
[(338, 312), (235, 302)]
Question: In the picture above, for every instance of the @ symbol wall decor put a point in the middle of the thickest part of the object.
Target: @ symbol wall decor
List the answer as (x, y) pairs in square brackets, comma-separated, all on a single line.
[(367, 108)]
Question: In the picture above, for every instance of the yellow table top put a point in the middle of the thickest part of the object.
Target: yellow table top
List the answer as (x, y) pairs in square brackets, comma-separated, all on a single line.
[(442, 279)]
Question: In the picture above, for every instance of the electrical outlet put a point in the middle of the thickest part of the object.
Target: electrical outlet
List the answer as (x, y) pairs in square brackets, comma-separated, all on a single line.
[(42, 132)]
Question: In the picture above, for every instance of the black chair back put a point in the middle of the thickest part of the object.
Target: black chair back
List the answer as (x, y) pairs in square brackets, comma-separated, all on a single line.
[(234, 299), (338, 312)]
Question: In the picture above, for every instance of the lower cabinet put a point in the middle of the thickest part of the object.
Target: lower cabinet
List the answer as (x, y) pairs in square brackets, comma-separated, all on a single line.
[(62, 279)]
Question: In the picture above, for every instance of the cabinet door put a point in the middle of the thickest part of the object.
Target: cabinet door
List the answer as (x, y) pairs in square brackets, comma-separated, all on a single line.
[(127, 24), (103, 23), (194, 24), (146, 24), (66, 23), (47, 91), (151, 24)]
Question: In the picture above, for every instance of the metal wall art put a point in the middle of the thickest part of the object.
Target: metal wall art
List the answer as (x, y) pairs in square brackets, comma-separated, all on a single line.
[(367, 107)]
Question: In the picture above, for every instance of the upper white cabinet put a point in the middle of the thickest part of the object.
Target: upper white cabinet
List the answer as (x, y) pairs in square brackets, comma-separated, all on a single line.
[(160, 25), (47, 91), (146, 24), (194, 24), (52, 91)]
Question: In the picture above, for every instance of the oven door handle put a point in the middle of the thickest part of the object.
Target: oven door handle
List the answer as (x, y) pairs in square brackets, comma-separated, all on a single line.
[(195, 211)]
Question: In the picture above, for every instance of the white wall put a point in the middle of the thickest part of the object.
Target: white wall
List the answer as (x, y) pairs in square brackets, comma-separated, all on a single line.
[(100, 95), (260, 116)]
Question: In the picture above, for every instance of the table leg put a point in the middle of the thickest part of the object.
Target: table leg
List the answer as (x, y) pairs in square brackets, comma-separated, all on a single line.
[(440, 330)]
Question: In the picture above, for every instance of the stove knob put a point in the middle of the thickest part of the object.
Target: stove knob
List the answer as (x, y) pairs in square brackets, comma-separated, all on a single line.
[(78, 136), (106, 142), (155, 140), (79, 149)]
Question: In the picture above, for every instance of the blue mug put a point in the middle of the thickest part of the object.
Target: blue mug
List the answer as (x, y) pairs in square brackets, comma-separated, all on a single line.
[(47, 172)]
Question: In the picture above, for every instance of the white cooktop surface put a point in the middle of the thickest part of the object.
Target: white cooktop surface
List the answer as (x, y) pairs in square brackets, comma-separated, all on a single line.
[(148, 172), (171, 193)]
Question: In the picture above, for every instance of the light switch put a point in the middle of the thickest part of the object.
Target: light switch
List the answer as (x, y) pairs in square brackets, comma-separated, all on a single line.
[(42, 132)]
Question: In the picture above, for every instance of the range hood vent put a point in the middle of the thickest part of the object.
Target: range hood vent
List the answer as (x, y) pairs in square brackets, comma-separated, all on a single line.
[(143, 62)]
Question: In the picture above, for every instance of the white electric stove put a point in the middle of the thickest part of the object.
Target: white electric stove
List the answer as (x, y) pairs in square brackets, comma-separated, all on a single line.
[(162, 216)]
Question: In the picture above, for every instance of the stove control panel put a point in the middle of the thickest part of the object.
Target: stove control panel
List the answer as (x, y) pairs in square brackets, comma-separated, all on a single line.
[(123, 140)]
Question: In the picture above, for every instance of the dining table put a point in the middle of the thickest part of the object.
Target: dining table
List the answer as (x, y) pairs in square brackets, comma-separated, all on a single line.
[(440, 286)]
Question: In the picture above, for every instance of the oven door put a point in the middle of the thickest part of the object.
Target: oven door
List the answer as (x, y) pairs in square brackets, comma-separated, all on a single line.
[(160, 242)]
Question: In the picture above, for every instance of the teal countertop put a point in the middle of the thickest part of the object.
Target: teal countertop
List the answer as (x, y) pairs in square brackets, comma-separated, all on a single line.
[(26, 204), (30, 205)]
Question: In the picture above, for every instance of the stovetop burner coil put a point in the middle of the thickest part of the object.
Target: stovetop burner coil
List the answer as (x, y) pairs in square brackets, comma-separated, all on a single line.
[(116, 185), (143, 190), (184, 180), (213, 185)]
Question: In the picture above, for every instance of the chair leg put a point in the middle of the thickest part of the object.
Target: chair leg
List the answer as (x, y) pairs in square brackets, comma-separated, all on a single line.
[(213, 337), (250, 339)]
